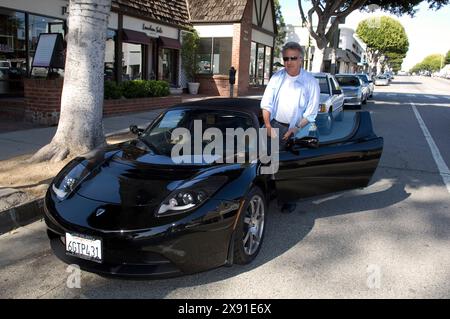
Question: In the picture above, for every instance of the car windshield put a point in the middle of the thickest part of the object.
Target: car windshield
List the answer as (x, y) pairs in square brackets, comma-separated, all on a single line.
[(382, 77), (363, 77), (348, 80), (160, 140), (323, 83)]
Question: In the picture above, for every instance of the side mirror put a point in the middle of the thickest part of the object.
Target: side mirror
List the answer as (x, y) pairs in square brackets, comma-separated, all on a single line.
[(305, 142), (337, 92), (135, 130)]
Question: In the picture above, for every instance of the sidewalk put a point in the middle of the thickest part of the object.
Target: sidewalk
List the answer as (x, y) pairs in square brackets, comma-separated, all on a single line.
[(28, 141)]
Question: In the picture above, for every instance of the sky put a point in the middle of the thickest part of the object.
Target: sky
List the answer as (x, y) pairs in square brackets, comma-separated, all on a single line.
[(428, 32)]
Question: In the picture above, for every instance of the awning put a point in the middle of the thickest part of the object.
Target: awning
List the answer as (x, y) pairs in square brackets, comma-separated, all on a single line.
[(132, 36), (169, 43)]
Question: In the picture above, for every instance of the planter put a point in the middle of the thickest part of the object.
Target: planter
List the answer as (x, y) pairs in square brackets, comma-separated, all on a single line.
[(176, 91), (193, 87)]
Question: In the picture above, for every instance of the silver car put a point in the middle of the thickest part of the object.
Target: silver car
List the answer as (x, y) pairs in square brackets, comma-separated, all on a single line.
[(382, 80), (331, 101), (368, 83), (354, 92)]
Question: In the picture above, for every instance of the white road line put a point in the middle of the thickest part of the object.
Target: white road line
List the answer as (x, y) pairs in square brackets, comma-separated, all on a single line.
[(320, 201), (431, 97), (411, 95), (391, 94), (442, 167)]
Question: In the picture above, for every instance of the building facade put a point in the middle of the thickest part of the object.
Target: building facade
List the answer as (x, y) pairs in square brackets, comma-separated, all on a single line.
[(143, 39), (239, 34), (350, 51)]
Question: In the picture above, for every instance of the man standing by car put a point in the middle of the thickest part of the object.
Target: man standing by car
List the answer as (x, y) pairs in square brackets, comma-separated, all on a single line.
[(291, 99)]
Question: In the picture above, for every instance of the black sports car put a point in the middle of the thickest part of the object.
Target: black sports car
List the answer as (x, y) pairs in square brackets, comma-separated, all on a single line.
[(128, 209)]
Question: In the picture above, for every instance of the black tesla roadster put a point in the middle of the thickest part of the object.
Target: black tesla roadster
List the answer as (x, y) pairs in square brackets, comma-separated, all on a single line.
[(131, 209)]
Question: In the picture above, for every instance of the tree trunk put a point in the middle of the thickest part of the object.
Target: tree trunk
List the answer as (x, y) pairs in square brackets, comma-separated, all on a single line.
[(317, 63), (80, 127)]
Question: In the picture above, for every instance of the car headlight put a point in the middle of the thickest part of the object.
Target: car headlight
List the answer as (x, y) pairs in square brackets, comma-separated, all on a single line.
[(322, 108), (190, 195), (69, 178)]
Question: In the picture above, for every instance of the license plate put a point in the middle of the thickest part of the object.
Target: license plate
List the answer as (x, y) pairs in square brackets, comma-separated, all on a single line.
[(84, 247)]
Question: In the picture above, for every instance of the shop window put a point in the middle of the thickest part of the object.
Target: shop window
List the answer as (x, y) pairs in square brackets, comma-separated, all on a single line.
[(13, 55), (168, 66), (204, 56), (36, 26), (268, 57), (222, 55), (252, 68), (214, 55), (132, 61), (260, 64)]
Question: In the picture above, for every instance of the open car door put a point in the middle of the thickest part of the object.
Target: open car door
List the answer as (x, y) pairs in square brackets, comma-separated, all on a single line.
[(346, 158)]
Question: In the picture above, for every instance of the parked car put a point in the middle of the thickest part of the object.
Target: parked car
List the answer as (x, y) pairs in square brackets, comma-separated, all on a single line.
[(381, 80), (128, 209), (331, 101), (355, 94), (367, 82)]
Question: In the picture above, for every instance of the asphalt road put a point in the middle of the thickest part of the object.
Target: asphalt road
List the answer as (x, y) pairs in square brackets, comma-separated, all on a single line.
[(389, 240)]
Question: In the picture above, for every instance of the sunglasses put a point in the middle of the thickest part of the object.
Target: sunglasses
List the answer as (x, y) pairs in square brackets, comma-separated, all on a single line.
[(290, 58)]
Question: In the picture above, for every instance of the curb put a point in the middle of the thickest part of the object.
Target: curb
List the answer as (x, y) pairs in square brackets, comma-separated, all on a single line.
[(22, 215)]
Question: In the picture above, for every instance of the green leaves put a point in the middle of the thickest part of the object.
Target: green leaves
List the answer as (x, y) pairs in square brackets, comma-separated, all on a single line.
[(189, 48), (431, 63), (383, 34)]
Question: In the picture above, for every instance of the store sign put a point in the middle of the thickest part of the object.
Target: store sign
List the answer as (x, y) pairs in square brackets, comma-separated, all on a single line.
[(153, 30)]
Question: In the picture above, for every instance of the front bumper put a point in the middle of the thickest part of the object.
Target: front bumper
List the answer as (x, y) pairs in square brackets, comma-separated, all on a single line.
[(196, 242), (352, 101)]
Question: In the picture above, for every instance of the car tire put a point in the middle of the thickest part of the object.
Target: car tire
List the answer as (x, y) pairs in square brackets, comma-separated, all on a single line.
[(250, 227)]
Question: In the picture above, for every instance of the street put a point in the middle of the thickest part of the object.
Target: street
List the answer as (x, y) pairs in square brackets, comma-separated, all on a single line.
[(389, 240)]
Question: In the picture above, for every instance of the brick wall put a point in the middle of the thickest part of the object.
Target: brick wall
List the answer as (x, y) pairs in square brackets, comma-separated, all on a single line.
[(242, 40), (214, 85), (240, 58), (12, 108), (124, 106), (43, 101)]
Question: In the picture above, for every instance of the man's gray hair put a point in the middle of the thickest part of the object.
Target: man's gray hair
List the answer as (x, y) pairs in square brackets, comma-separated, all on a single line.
[(293, 46)]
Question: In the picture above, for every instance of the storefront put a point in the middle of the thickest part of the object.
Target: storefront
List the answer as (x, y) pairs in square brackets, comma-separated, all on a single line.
[(142, 40), (19, 33), (239, 34)]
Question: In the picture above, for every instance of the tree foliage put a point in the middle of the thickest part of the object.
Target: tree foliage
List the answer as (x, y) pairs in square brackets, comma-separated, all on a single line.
[(189, 48), (318, 18), (400, 7), (384, 36), (431, 63), (280, 28), (447, 57)]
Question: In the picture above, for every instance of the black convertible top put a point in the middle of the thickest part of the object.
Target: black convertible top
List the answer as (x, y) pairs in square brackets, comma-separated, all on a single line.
[(250, 106)]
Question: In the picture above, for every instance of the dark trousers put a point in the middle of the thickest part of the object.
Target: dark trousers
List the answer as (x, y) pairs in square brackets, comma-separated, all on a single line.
[(282, 129)]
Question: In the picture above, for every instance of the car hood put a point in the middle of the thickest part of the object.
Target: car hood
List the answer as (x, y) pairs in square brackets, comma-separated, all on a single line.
[(130, 174)]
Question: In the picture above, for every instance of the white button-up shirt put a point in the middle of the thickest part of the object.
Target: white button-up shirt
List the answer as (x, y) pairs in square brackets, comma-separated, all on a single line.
[(300, 95)]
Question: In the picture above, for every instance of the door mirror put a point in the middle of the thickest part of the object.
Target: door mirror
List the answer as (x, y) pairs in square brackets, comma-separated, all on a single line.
[(337, 92), (135, 130), (305, 142)]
